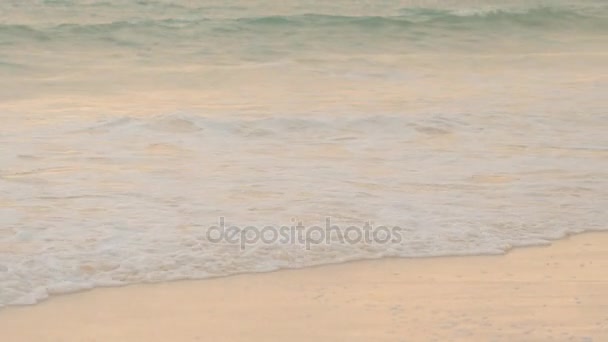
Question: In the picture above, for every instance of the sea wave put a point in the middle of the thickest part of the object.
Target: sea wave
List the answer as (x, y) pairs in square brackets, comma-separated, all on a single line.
[(130, 199), (542, 18)]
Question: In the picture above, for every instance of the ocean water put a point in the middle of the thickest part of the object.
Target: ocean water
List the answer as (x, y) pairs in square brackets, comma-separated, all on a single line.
[(129, 128)]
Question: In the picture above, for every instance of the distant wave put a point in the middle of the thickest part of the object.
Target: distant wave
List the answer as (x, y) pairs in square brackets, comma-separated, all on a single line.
[(543, 18)]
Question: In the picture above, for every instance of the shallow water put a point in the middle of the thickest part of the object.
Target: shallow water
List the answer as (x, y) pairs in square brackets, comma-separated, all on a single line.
[(129, 128)]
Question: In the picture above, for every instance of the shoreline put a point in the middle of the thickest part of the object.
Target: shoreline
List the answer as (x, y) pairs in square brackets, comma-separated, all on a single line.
[(549, 242), (555, 292)]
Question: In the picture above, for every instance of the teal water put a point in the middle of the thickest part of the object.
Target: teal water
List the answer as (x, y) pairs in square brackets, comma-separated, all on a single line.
[(260, 29), (128, 128)]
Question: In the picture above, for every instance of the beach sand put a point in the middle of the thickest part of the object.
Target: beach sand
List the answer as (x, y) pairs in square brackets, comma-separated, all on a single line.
[(552, 293)]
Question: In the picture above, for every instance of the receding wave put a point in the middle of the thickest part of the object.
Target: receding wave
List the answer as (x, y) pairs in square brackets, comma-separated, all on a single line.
[(132, 199)]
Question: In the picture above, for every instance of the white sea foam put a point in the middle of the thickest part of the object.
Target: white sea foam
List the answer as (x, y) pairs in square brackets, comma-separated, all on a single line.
[(130, 200)]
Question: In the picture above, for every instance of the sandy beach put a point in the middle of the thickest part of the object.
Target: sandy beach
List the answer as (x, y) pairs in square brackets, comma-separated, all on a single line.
[(552, 293)]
